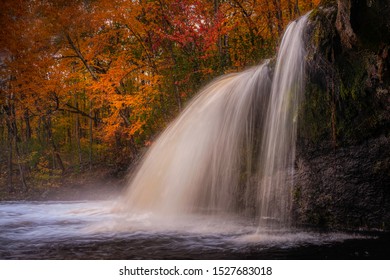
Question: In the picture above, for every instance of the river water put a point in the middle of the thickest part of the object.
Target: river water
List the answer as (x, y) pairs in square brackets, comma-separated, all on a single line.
[(94, 230)]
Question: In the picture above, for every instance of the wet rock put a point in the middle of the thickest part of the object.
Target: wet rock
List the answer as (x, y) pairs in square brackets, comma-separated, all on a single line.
[(342, 177), (348, 188)]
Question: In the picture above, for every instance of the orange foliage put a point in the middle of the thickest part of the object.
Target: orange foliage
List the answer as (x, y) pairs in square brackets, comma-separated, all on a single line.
[(126, 66)]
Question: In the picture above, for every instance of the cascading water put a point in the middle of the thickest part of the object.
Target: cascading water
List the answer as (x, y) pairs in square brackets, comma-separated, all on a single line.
[(233, 147), (278, 146), (197, 162)]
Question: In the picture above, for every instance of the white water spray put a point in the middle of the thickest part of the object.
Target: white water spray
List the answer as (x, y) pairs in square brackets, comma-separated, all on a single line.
[(233, 147)]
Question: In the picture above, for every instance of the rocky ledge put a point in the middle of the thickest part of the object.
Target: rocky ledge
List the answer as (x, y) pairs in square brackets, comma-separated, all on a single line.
[(343, 159)]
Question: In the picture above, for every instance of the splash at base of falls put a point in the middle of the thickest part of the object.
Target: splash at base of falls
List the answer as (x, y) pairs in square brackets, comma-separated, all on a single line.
[(232, 149)]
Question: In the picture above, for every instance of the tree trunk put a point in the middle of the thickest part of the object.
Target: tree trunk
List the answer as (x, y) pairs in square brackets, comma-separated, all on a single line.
[(175, 79), (10, 166), (221, 40), (78, 136), (28, 126), (13, 141), (47, 123), (279, 15), (290, 9), (10, 114), (21, 167), (169, 46), (90, 135), (296, 8), (269, 19)]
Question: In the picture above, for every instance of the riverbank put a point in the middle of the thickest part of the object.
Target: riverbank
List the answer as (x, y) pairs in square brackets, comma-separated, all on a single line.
[(97, 184)]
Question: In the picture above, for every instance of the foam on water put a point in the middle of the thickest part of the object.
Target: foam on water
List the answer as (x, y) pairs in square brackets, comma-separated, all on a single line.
[(50, 221)]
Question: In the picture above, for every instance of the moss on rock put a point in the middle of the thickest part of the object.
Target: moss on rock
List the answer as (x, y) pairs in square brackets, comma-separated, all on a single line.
[(352, 83), (343, 170)]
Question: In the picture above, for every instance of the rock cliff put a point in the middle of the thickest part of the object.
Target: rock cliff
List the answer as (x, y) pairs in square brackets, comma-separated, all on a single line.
[(342, 177)]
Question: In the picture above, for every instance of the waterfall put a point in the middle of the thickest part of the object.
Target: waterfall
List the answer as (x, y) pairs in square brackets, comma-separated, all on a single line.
[(232, 149), (278, 146)]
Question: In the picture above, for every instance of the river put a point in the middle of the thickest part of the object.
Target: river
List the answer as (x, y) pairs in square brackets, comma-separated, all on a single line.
[(94, 230)]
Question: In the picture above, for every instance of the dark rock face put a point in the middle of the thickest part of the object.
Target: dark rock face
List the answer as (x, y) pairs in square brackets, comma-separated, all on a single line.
[(348, 90), (343, 159), (348, 188)]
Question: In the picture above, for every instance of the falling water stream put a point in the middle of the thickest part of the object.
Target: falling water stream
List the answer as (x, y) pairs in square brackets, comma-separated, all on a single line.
[(216, 184), (232, 149)]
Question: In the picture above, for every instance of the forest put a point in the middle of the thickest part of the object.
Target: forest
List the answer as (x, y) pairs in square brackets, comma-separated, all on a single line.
[(87, 85)]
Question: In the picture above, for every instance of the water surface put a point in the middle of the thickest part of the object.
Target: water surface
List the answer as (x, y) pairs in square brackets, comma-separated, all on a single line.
[(94, 230)]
